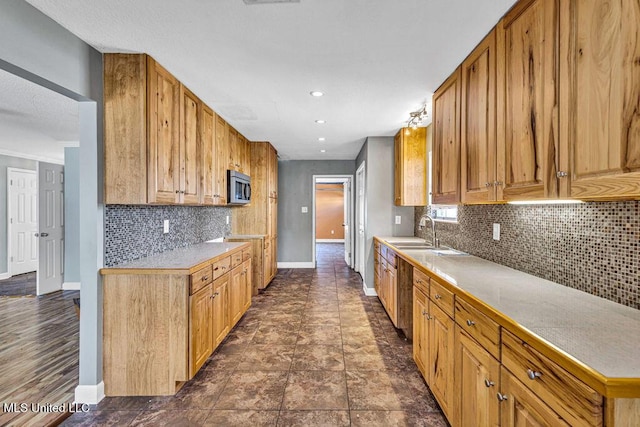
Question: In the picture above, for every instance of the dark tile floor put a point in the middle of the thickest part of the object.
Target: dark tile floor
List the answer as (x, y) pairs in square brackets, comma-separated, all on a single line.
[(311, 351)]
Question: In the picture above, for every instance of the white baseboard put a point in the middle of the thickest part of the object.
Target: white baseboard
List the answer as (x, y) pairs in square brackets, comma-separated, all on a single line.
[(296, 265), (329, 240), (91, 394), (71, 286), (4, 276), (370, 292)]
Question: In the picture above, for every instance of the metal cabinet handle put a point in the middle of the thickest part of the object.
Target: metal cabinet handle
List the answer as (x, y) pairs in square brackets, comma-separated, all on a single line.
[(216, 293), (533, 374), (470, 322), (205, 278), (489, 383), (43, 234), (424, 312), (502, 397), (438, 296)]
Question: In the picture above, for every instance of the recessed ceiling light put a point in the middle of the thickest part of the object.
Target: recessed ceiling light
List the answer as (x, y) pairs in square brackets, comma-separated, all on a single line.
[(321, 122), (316, 93), (323, 151), (321, 139)]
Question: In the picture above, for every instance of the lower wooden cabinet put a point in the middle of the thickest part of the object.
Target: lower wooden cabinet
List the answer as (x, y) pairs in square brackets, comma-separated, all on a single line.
[(477, 381), (236, 295), (200, 328), (247, 285), (522, 407), (220, 316), (441, 357), (420, 331)]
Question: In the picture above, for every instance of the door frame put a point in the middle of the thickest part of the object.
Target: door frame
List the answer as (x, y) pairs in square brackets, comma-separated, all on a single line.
[(338, 178), (360, 265), (10, 169)]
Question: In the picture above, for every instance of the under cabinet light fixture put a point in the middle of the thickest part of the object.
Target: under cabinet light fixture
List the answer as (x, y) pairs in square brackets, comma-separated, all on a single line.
[(545, 202)]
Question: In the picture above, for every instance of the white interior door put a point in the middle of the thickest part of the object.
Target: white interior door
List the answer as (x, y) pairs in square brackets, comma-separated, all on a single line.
[(346, 186), (360, 196), (51, 226), (23, 220)]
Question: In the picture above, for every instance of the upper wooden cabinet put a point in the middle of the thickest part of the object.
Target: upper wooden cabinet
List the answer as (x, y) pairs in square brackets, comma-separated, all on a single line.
[(600, 99), (207, 159), (411, 167), (527, 100), (478, 125), (446, 141), (273, 172), (221, 161), (190, 147)]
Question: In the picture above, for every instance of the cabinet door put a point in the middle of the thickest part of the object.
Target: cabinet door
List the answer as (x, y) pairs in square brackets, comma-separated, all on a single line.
[(190, 147), (274, 256), (527, 100), (164, 135), (200, 332), (521, 407), (207, 165), (476, 383), (272, 223), (391, 293), (220, 308), (248, 285), (441, 357), (478, 124), (245, 157), (411, 167), (420, 331), (446, 141), (235, 295), (233, 153), (221, 161), (272, 165), (600, 98)]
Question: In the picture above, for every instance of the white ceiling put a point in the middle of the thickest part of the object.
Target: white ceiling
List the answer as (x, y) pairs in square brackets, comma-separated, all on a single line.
[(376, 60), (35, 122)]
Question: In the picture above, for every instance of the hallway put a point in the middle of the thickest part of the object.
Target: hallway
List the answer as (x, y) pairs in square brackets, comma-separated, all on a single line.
[(311, 350)]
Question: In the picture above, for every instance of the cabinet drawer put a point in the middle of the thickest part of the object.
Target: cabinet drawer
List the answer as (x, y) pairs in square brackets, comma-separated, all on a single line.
[(442, 297), (236, 259), (221, 266), (573, 400), (246, 254), (421, 281), (200, 279), (479, 326)]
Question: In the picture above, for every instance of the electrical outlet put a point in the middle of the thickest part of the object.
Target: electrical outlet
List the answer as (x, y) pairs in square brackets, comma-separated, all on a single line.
[(227, 219), (398, 219), (496, 231), (304, 209), (165, 226)]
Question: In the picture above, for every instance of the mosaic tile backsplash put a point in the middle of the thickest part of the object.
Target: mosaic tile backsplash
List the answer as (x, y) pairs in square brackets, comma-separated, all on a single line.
[(593, 247), (133, 232)]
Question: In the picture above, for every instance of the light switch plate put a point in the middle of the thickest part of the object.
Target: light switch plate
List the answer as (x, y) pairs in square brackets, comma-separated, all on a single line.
[(496, 231), (398, 219), (165, 226), (305, 209)]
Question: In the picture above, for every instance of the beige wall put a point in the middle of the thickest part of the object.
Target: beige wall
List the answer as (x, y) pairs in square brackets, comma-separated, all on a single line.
[(329, 211)]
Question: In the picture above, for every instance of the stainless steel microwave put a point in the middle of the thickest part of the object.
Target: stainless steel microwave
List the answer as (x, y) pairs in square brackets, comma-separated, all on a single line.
[(239, 188)]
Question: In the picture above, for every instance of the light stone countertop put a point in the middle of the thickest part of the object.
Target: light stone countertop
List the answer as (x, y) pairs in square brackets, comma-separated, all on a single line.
[(245, 236), (178, 259), (599, 333)]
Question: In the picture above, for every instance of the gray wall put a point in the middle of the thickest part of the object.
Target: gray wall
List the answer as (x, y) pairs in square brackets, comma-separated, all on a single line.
[(5, 162), (38, 49), (380, 209), (295, 189), (72, 214)]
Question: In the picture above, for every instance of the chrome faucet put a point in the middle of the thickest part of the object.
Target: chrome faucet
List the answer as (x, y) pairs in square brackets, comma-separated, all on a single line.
[(423, 222)]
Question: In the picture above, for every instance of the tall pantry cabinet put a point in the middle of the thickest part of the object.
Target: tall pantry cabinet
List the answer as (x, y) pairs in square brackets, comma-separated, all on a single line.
[(260, 217)]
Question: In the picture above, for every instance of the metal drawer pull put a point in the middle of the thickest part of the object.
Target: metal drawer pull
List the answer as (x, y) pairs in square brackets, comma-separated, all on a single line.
[(438, 296), (489, 383), (502, 397), (470, 322), (205, 278), (424, 312), (533, 374)]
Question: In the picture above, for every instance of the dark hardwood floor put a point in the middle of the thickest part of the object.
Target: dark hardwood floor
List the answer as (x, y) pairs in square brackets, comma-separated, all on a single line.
[(38, 355), (19, 285)]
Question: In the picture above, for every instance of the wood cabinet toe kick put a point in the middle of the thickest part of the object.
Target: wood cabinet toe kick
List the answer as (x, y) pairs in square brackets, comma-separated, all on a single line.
[(161, 324)]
